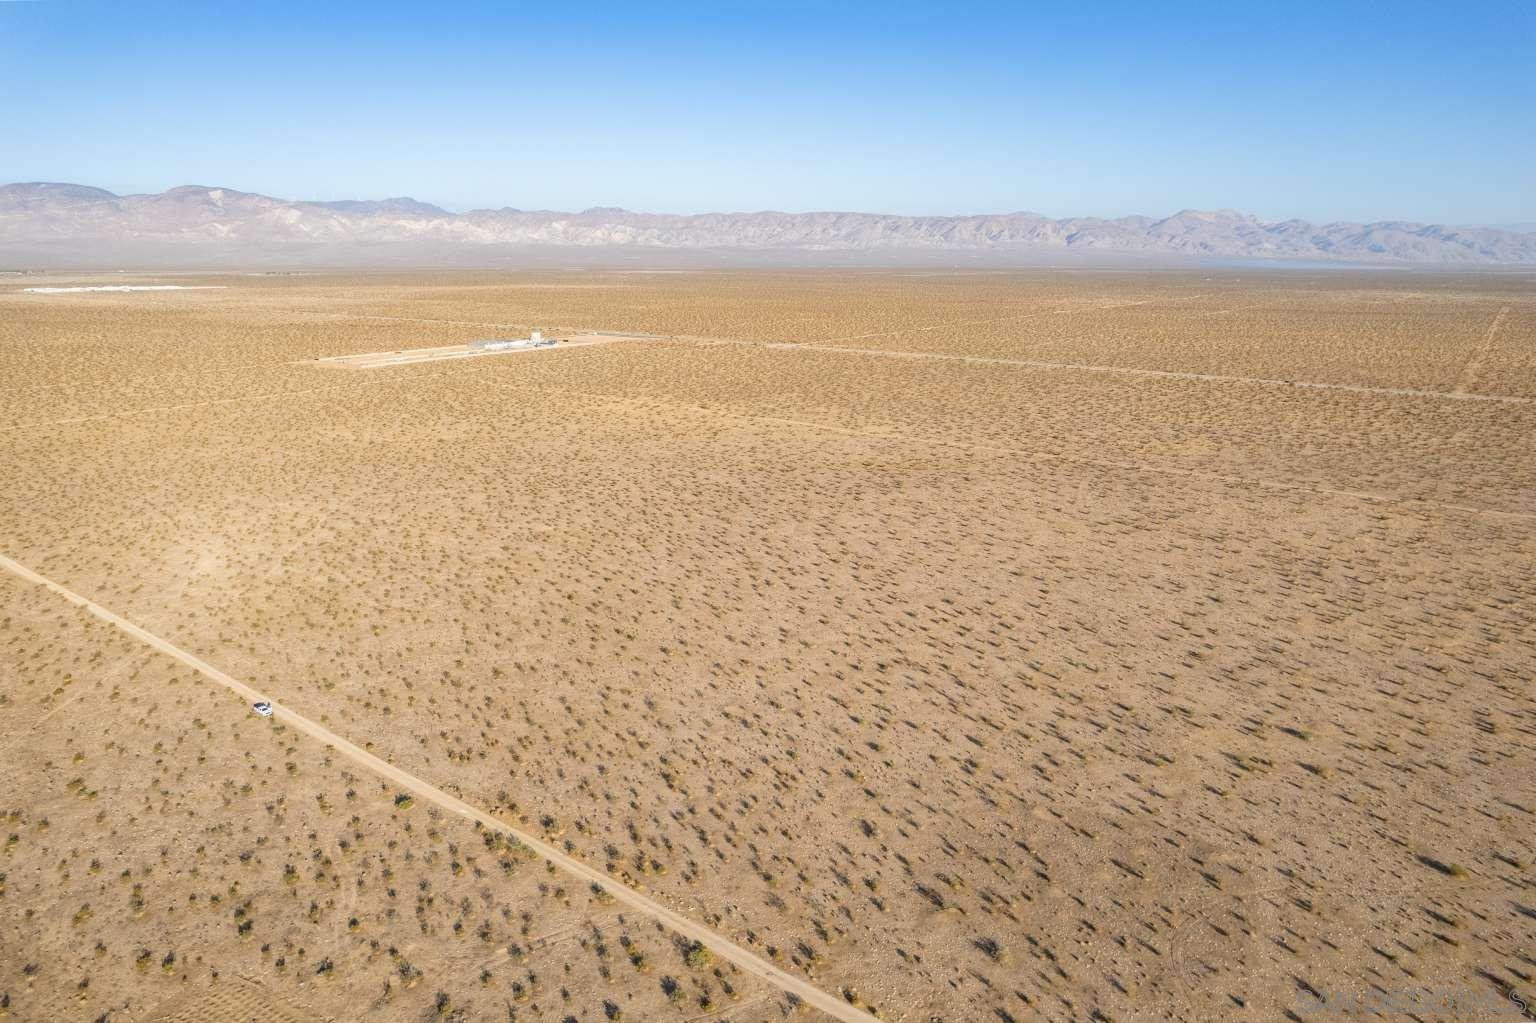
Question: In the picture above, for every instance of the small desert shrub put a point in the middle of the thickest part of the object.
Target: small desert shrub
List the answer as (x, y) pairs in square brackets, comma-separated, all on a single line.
[(991, 947)]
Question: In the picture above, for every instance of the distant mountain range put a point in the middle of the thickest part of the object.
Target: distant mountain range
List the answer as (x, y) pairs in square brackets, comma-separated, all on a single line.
[(46, 223)]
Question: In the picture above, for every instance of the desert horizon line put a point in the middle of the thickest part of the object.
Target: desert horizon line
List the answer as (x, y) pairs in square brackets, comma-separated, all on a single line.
[(40, 221), (1513, 224)]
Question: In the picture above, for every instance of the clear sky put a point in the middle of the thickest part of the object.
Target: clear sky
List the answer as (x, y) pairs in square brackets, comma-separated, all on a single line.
[(1324, 111)]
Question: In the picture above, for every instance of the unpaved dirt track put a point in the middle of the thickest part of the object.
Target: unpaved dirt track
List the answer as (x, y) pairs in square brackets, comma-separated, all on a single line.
[(876, 433), (1474, 367), (1167, 374), (721, 946)]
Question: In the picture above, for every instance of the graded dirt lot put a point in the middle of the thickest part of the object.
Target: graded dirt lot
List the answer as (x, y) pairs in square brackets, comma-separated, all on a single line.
[(962, 646), (449, 353)]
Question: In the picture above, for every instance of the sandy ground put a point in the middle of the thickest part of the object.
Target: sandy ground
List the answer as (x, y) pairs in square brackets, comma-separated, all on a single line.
[(1121, 646), (405, 782)]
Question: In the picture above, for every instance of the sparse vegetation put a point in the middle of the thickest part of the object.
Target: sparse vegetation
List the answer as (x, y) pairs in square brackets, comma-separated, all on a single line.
[(959, 682)]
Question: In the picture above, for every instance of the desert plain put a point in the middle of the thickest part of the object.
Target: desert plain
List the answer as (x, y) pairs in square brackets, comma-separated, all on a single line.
[(1027, 645)]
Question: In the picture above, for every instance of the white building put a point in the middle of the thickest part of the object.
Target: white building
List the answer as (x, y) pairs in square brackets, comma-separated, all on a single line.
[(501, 344)]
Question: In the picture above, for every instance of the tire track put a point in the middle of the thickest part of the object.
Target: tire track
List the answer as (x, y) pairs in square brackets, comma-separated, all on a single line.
[(1474, 367), (1024, 454), (718, 944), (1003, 319), (1166, 374)]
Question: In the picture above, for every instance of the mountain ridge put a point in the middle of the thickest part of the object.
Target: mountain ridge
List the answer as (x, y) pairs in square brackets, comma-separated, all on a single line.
[(54, 217)]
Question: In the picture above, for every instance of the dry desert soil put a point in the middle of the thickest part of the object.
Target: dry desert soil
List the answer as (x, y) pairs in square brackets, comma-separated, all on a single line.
[(1052, 645)]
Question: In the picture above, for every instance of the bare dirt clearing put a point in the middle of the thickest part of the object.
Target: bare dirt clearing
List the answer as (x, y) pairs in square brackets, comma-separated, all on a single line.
[(411, 356), (1041, 678), (122, 287)]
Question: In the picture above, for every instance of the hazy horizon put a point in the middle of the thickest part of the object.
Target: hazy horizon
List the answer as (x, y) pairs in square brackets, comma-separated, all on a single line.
[(1307, 113), (668, 513), (496, 206)]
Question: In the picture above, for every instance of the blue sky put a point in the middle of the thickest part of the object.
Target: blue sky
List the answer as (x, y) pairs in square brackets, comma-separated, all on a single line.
[(1322, 111)]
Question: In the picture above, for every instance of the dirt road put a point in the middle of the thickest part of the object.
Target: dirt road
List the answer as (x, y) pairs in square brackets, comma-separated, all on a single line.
[(1474, 367), (1167, 374), (721, 946)]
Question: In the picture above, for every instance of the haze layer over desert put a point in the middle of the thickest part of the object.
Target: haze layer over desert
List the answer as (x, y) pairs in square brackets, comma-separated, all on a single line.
[(953, 646)]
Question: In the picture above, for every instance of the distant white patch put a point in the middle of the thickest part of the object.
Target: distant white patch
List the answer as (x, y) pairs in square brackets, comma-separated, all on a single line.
[(127, 287)]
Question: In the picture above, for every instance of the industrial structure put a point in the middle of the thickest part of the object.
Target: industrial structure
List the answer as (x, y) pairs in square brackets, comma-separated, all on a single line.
[(535, 341), (500, 344)]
